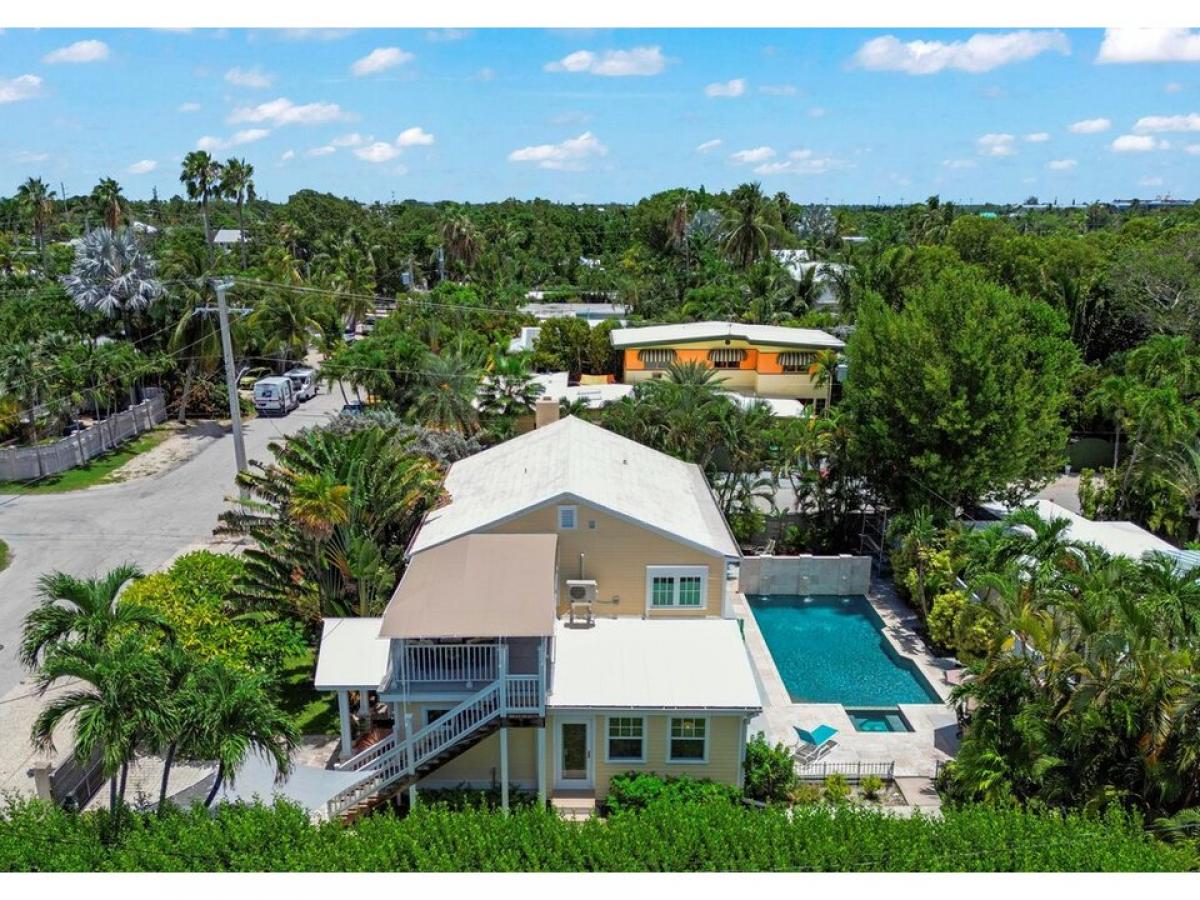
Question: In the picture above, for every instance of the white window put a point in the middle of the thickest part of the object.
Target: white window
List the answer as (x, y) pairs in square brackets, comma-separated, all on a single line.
[(688, 741), (676, 587), (566, 518), (626, 740)]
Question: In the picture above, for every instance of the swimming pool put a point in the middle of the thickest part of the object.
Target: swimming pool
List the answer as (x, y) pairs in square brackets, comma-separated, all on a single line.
[(888, 718), (831, 649)]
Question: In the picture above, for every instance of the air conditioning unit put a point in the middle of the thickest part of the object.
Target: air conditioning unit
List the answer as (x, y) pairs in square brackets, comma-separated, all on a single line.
[(581, 597)]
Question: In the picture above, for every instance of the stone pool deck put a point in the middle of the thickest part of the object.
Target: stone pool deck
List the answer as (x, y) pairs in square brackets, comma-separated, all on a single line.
[(914, 754)]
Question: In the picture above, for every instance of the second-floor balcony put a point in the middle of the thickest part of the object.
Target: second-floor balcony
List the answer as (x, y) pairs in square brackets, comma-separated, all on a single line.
[(425, 667)]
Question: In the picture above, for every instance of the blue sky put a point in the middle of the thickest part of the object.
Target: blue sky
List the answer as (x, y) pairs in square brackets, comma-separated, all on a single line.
[(614, 114)]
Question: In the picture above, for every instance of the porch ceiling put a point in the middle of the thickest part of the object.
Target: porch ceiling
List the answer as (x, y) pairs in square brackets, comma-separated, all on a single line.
[(480, 585)]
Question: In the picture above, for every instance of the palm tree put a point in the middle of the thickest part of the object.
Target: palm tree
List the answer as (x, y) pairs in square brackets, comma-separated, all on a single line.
[(823, 371), (462, 240), (748, 237), (445, 392), (109, 202), (286, 321), (113, 275), (237, 183), (197, 335), (1114, 398), (1183, 475), (232, 714), (82, 610), (509, 389), (36, 201), (201, 176), (319, 504)]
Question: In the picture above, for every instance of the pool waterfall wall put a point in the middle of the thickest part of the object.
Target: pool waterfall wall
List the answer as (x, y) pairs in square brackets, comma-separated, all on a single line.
[(805, 575)]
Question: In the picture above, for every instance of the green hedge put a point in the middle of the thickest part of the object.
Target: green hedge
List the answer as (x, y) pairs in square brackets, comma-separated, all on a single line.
[(662, 837)]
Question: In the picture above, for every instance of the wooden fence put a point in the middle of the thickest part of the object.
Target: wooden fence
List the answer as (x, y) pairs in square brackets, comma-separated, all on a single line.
[(29, 463)]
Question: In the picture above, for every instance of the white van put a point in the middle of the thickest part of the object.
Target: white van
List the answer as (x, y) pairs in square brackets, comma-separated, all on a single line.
[(304, 381), (275, 396)]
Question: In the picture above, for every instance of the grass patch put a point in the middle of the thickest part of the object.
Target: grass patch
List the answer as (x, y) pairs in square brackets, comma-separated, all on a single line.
[(97, 471), (5, 556), (312, 711)]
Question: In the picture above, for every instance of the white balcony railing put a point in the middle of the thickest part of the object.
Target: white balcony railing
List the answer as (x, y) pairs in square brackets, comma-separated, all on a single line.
[(450, 663)]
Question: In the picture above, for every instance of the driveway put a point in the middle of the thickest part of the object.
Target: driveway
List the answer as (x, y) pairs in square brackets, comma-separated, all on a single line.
[(144, 521)]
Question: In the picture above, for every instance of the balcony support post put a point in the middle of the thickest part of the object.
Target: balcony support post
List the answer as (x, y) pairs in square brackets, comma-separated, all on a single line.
[(540, 752), (504, 769), (344, 717)]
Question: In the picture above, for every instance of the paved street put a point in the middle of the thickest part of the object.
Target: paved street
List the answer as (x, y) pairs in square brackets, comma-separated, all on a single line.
[(144, 521)]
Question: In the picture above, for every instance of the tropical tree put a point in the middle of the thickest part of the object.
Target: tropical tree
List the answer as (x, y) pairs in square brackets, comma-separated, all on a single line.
[(444, 395), (109, 203), (508, 390), (462, 241), (823, 371), (113, 275), (237, 183), (748, 235), (201, 176), (36, 202)]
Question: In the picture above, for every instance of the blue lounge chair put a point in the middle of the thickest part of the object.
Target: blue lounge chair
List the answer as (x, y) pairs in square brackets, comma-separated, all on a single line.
[(814, 745)]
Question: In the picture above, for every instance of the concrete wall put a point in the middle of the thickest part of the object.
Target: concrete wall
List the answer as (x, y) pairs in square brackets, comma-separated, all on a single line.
[(28, 463), (805, 575)]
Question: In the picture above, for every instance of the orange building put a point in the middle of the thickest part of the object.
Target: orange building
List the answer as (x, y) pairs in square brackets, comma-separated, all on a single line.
[(755, 360)]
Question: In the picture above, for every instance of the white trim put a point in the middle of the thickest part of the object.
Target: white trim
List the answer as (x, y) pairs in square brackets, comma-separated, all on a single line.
[(707, 738), (574, 784), (608, 758), (676, 572), (574, 518)]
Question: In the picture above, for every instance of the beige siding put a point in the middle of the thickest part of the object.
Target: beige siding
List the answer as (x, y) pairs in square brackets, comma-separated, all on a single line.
[(795, 385), (724, 749), (480, 766), (616, 554)]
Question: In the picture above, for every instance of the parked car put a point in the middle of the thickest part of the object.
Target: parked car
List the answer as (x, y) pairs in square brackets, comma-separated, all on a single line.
[(304, 380), (275, 396), (353, 408)]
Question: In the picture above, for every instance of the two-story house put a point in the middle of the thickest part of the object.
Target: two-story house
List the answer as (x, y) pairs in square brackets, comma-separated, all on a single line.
[(564, 616), (768, 361)]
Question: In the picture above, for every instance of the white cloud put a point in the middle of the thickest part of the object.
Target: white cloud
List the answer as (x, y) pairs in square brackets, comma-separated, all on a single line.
[(353, 139), (777, 90), (735, 87), (959, 163), (315, 34), (1038, 137), (286, 155), (1193, 149), (23, 87), (26, 156), (249, 78), (78, 52), (612, 63), (1090, 126), (378, 152), (570, 155), (189, 107), (381, 59), (1150, 181), (142, 166), (321, 151), (284, 112), (1138, 143), (1141, 45), (246, 136), (1061, 165), (414, 137), (709, 145), (979, 53), (801, 162), (443, 35), (996, 145), (1173, 87), (755, 155), (1189, 122)]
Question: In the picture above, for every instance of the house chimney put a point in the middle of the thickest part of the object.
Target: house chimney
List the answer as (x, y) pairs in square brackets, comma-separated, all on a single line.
[(545, 412)]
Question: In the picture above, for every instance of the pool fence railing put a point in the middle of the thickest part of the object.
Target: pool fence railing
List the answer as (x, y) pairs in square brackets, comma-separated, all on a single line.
[(853, 772)]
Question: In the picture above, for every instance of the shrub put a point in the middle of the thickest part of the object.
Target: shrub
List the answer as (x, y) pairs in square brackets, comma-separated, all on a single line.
[(464, 797), (836, 788), (871, 786), (805, 794), (664, 837), (770, 772), (640, 790), (960, 625)]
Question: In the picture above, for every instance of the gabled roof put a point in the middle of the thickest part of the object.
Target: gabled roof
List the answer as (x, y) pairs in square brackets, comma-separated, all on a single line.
[(573, 460), (776, 335)]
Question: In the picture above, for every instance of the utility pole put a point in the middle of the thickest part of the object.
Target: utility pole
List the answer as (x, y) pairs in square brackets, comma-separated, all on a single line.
[(235, 410)]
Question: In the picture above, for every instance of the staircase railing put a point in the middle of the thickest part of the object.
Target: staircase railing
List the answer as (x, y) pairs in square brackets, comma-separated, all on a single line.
[(406, 756), (364, 758), (524, 694)]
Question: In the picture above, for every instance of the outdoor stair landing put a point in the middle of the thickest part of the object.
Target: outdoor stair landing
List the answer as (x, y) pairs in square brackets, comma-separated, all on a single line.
[(574, 805)]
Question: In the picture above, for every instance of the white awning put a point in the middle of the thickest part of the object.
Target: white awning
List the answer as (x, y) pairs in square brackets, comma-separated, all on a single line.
[(351, 655)]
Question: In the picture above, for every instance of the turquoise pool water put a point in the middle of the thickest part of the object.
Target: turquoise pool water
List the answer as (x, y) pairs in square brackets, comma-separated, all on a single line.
[(832, 650), (878, 720)]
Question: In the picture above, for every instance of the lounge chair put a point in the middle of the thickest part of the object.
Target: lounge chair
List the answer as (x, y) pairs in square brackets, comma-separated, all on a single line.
[(814, 745)]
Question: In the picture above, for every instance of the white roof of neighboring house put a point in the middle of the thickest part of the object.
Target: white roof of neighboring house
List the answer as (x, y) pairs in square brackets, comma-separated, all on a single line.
[(551, 310), (556, 387), (633, 663), (574, 459), (1117, 538), (712, 331), (227, 236), (780, 406), (351, 654), (525, 340)]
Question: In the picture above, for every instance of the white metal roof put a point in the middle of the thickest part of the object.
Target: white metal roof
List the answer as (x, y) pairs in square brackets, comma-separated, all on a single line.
[(573, 458), (783, 407), (351, 654), (630, 663), (227, 236), (1117, 538), (555, 386), (711, 331)]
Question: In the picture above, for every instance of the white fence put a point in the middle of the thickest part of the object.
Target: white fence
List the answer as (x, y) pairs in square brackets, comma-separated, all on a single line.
[(28, 463), (853, 772)]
